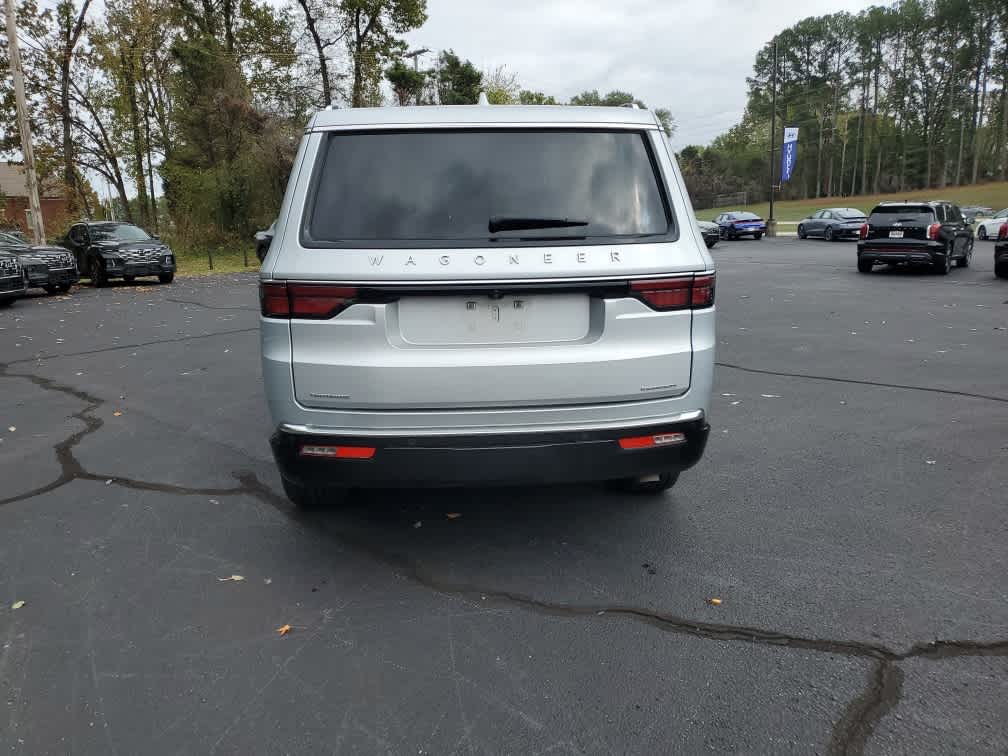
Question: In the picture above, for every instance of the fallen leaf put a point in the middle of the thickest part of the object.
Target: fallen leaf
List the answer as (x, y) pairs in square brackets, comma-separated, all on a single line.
[(417, 524), (108, 482), (932, 462), (714, 601), (12, 428), (17, 604), (283, 630), (117, 413), (453, 515), (267, 581), (735, 403), (233, 578), (771, 396)]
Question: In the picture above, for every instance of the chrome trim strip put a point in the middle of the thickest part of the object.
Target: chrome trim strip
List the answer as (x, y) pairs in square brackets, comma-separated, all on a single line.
[(315, 430), (493, 281)]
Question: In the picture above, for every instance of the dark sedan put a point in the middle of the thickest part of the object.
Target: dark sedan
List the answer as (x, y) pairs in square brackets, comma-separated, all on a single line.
[(740, 223), (833, 223), (710, 231)]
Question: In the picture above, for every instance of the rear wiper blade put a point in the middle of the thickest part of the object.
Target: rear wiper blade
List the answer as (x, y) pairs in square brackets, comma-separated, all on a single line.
[(516, 223)]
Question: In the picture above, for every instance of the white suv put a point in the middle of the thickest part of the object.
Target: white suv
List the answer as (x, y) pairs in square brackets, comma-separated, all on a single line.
[(469, 295)]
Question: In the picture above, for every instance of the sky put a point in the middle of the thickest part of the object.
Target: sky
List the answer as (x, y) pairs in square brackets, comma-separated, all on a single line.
[(690, 57)]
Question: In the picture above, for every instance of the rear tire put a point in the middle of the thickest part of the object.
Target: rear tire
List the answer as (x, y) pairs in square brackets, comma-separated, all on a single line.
[(50, 289), (166, 278), (801, 232), (312, 497), (982, 233), (1001, 270), (964, 261), (99, 279), (63, 288), (758, 235), (828, 233), (864, 266), (943, 266), (646, 485)]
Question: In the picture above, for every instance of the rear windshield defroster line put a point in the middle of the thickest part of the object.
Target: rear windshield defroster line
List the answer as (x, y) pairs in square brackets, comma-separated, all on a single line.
[(439, 188)]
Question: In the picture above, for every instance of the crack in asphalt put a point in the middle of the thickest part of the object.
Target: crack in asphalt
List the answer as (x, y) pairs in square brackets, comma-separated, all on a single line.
[(883, 693), (858, 382), (850, 733), (120, 347), (210, 307)]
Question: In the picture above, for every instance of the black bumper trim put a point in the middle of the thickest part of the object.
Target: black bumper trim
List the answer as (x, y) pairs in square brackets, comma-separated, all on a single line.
[(526, 458)]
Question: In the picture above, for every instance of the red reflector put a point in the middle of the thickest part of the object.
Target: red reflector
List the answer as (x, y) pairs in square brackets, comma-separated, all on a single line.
[(646, 442), (676, 293), (338, 452), (273, 299), (319, 301)]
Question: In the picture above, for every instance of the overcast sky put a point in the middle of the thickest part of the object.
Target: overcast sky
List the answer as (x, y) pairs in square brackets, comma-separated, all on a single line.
[(691, 57)]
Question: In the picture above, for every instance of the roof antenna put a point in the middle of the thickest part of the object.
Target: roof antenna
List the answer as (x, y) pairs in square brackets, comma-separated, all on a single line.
[(483, 99)]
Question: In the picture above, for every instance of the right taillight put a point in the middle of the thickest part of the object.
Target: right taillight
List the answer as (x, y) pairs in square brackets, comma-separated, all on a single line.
[(933, 230), (863, 231), (1003, 232), (306, 301), (692, 292)]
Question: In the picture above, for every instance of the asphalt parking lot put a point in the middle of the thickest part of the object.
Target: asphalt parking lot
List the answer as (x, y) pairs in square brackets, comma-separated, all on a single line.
[(850, 514)]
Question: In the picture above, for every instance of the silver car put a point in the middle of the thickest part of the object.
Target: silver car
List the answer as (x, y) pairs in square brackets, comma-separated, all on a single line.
[(469, 295)]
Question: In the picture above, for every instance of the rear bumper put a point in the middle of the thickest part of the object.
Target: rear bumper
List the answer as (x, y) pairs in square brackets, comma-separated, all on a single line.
[(922, 252), (509, 458)]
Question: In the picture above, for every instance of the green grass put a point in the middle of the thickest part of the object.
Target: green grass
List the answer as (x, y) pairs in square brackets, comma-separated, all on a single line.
[(193, 261), (990, 195)]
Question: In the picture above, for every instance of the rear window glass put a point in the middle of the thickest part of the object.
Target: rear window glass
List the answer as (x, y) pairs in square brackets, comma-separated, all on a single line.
[(850, 213), (441, 188), (745, 216), (902, 214)]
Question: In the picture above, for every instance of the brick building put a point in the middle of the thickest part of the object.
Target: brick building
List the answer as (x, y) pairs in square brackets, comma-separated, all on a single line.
[(14, 201)]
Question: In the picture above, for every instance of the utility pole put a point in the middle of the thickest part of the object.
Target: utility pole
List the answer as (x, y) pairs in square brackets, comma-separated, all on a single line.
[(35, 207), (771, 223), (415, 54)]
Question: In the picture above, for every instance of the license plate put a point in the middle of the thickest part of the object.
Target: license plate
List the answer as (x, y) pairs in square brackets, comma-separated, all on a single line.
[(895, 234), (511, 319)]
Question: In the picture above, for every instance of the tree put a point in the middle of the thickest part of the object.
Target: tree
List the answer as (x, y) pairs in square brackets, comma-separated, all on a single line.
[(668, 124), (527, 97), (459, 82), (373, 26), (71, 25), (315, 11), (501, 86), (406, 82)]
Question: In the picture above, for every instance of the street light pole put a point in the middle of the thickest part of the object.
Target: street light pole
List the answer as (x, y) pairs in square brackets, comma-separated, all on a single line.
[(13, 50), (771, 223), (415, 54)]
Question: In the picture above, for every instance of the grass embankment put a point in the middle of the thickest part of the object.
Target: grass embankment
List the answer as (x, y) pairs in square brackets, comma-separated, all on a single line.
[(194, 261), (990, 195)]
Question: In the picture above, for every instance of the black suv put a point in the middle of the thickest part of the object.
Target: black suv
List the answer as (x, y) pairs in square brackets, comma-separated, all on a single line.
[(112, 249), (45, 267), (915, 233)]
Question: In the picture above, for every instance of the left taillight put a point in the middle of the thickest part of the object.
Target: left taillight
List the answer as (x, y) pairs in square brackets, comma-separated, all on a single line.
[(279, 299), (1003, 232), (692, 292), (934, 231)]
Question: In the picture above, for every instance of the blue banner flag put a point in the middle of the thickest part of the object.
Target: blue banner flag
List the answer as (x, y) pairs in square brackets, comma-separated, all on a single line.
[(789, 153)]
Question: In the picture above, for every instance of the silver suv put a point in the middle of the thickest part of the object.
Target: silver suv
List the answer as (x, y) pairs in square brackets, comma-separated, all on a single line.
[(469, 295)]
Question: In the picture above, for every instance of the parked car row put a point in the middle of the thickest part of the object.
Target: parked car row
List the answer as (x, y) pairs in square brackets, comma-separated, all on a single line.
[(102, 250)]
